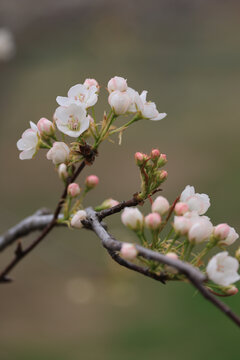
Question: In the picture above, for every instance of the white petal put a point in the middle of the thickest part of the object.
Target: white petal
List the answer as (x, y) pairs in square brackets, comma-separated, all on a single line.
[(27, 154)]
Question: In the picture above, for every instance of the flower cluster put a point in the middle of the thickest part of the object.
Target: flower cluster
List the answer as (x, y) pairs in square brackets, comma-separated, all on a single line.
[(189, 228)]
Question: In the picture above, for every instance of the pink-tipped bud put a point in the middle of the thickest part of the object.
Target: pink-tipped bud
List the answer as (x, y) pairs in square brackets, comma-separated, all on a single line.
[(162, 160), (171, 269), (91, 82), (163, 175), (160, 205), (73, 190), (153, 221), (221, 231), (140, 158), (108, 203), (155, 154), (119, 101), (181, 225), (181, 208), (45, 127), (117, 83), (62, 171), (91, 181), (128, 251), (232, 290)]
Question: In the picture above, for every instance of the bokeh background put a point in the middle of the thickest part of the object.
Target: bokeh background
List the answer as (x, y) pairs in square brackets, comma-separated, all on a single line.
[(68, 300)]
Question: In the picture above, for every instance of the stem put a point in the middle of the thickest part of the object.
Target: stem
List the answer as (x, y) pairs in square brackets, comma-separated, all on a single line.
[(134, 119), (172, 243)]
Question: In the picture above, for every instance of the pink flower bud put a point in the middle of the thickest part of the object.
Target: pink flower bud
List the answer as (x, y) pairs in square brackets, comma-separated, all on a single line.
[(155, 154), (181, 208), (160, 205), (45, 127), (163, 175), (132, 218), (162, 160), (117, 83), (91, 82), (181, 225), (119, 102), (153, 221), (73, 190), (140, 158), (232, 290), (59, 153), (128, 251), (108, 203), (231, 237), (91, 181), (221, 231), (76, 221), (62, 171), (168, 268)]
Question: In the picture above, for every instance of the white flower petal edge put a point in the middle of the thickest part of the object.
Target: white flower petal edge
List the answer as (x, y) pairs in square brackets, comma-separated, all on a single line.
[(222, 269), (196, 202), (28, 143), (80, 95), (149, 109), (72, 120)]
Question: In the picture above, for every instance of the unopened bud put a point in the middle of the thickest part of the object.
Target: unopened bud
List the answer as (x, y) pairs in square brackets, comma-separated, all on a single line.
[(119, 102), (76, 221), (162, 160), (140, 158), (153, 221), (45, 127), (168, 268), (128, 251), (221, 231), (160, 205), (155, 153), (73, 190), (232, 290), (108, 203), (181, 208), (163, 175), (91, 181), (181, 225), (117, 83), (62, 171), (91, 82), (132, 218)]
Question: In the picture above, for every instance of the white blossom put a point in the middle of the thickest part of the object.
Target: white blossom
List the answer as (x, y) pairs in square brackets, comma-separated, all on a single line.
[(29, 142), (181, 224), (196, 202), (128, 251), (76, 221), (160, 205), (200, 230), (136, 103), (80, 95), (59, 153), (222, 269), (72, 120), (132, 218), (230, 238), (149, 110), (119, 101)]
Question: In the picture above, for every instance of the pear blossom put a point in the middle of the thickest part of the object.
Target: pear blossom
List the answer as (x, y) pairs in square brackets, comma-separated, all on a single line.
[(29, 142), (200, 230), (59, 153), (117, 83), (160, 205), (72, 120), (91, 82), (230, 238), (128, 251), (149, 110), (132, 218), (196, 202), (222, 269), (153, 221), (76, 220), (79, 94), (119, 101)]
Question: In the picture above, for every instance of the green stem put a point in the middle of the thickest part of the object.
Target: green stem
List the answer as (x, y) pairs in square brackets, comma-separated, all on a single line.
[(134, 119), (172, 243), (188, 253)]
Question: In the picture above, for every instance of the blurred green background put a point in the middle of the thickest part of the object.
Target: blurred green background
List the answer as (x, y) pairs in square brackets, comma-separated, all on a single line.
[(68, 300)]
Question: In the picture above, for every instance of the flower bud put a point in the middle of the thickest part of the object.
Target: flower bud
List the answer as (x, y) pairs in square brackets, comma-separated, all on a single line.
[(62, 171), (132, 218), (153, 221), (128, 251), (160, 205), (231, 237), (107, 204), (162, 160), (117, 83), (140, 158), (163, 175), (168, 268), (181, 208), (221, 231), (73, 190), (181, 225), (119, 102), (45, 127), (200, 231), (91, 181), (91, 82), (59, 153), (232, 290), (155, 154), (76, 221)]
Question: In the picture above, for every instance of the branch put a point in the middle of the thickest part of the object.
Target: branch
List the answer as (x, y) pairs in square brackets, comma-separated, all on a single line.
[(196, 277)]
